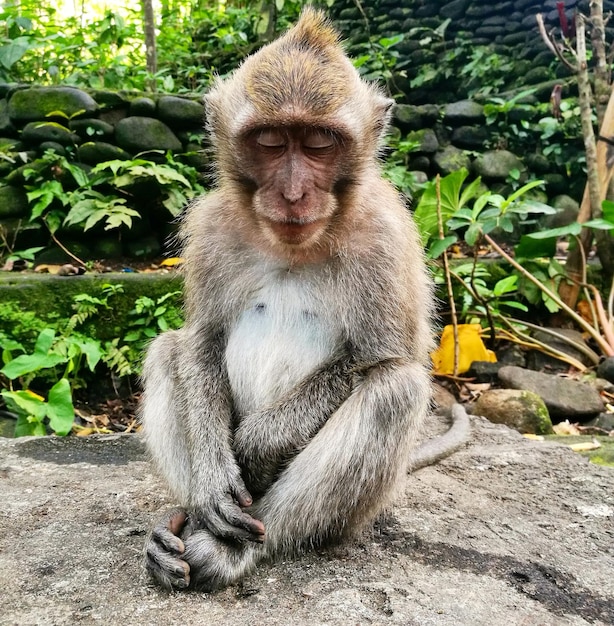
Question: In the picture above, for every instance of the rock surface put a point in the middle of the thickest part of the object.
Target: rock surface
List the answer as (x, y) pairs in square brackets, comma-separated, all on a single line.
[(565, 398), (507, 531)]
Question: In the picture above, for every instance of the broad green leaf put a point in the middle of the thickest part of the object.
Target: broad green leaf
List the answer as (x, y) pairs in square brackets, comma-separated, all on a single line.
[(80, 212), (531, 206), (607, 207), (60, 408), (532, 248), (505, 285), (92, 350), (28, 426), (13, 51), (27, 403), (28, 363), (440, 245), (473, 234), (451, 201), (44, 341), (563, 231), (600, 224)]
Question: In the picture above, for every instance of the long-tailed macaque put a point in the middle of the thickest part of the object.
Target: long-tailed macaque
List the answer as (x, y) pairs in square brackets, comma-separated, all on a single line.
[(283, 414)]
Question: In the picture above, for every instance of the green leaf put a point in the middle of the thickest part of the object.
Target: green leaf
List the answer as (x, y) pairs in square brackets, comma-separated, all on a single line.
[(599, 223), (80, 212), (28, 426), (563, 231), (438, 246), (505, 285), (531, 206), (522, 190), (44, 341), (26, 403), (388, 42), (473, 234), (513, 304), (14, 51), (532, 248), (60, 408), (607, 207), (451, 201), (28, 363), (92, 350)]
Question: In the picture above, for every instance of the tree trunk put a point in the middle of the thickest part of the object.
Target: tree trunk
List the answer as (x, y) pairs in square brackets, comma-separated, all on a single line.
[(598, 166), (149, 24)]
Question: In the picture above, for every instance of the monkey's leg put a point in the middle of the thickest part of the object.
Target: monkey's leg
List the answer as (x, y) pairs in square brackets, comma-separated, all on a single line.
[(268, 439), (186, 419), (351, 468)]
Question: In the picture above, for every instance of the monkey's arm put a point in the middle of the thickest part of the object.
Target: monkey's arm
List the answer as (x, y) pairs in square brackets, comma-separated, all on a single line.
[(266, 440), (353, 465), (186, 417)]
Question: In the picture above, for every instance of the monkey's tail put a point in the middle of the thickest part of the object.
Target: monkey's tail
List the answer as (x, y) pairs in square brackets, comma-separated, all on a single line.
[(439, 448)]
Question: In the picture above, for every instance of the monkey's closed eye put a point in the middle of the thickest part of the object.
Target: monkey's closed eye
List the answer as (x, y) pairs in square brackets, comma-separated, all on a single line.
[(319, 140), (270, 138)]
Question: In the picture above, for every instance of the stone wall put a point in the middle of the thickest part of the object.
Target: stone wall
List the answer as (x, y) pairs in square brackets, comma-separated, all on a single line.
[(509, 26), (92, 127), (450, 130)]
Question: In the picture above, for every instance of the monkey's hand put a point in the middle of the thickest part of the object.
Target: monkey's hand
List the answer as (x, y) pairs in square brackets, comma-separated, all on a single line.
[(164, 551), (223, 516)]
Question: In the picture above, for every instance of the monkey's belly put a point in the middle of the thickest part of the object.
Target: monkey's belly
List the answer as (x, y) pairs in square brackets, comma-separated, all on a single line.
[(275, 344)]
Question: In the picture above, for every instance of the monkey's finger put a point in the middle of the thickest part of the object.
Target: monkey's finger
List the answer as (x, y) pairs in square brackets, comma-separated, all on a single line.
[(177, 521), (168, 540), (239, 519), (169, 571), (243, 497)]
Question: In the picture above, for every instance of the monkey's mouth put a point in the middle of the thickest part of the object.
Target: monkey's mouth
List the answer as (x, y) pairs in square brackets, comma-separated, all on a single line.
[(294, 231)]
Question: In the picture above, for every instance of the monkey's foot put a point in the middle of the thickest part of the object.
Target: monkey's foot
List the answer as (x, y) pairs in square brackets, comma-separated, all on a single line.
[(164, 551), (216, 562)]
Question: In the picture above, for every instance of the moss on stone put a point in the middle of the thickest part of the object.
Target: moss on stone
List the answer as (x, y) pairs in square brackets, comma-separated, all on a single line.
[(51, 297)]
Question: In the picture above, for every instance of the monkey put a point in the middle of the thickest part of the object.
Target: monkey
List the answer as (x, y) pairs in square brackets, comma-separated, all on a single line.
[(282, 414)]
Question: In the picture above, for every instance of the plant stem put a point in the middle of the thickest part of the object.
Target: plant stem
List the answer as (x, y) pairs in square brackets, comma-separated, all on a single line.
[(604, 346)]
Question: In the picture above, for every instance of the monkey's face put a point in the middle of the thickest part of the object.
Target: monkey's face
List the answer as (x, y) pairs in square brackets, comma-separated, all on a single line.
[(292, 172)]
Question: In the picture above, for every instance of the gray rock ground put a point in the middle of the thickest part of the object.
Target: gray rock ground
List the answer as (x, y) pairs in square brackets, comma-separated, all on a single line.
[(506, 532)]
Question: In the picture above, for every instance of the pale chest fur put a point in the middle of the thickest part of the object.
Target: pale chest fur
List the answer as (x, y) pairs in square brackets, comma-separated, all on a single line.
[(284, 333)]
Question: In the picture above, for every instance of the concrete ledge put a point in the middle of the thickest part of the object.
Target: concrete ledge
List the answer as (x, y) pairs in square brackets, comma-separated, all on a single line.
[(506, 532)]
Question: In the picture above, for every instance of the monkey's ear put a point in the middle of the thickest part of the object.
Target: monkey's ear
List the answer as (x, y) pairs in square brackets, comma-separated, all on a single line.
[(383, 114)]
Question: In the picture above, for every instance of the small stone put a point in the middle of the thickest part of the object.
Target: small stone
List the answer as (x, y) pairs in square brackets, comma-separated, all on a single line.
[(565, 398), (484, 371), (463, 112), (37, 103), (181, 112), (426, 138), (37, 132), (606, 369), (497, 164), (13, 202), (524, 411), (139, 134), (143, 106), (450, 159)]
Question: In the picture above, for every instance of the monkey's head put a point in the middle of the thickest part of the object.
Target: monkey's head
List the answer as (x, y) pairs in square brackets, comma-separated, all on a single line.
[(294, 128)]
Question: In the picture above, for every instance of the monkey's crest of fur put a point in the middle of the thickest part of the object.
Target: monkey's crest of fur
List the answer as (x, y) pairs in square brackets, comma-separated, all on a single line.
[(303, 77)]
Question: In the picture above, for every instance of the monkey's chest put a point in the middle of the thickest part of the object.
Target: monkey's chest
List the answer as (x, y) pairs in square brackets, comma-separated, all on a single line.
[(277, 342)]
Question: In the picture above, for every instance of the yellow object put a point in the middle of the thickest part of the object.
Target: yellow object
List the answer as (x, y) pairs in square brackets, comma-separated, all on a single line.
[(176, 260), (471, 348)]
